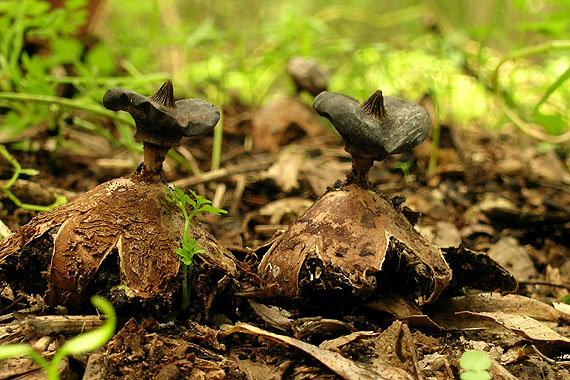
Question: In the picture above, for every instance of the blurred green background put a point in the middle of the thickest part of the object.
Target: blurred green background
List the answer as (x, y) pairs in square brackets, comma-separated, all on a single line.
[(484, 62)]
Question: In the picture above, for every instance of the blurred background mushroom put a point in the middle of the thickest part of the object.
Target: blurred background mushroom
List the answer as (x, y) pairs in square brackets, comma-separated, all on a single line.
[(308, 75), (288, 119)]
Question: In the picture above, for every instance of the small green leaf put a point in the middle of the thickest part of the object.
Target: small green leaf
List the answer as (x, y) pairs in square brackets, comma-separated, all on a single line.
[(66, 50), (213, 210), (30, 172), (475, 375), (565, 299), (474, 361), (187, 200), (554, 124), (189, 248)]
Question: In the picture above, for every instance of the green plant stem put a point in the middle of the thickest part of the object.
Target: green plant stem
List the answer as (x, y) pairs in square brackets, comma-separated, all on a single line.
[(47, 99), (381, 20), (525, 52), (15, 350), (15, 164), (434, 149), (189, 246), (131, 81), (186, 271), (185, 288), (217, 144), (81, 344), (553, 87), (88, 341), (180, 160), (530, 131), (59, 199)]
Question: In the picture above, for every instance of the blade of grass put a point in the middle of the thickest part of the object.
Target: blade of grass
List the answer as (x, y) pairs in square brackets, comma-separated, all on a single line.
[(217, 144), (131, 81), (75, 104), (525, 52), (553, 87)]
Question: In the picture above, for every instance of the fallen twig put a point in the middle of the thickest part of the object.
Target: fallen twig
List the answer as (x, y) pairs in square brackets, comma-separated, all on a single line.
[(547, 283), (259, 164)]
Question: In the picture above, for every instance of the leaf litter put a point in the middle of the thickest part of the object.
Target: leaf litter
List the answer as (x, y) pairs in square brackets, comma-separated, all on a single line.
[(241, 327)]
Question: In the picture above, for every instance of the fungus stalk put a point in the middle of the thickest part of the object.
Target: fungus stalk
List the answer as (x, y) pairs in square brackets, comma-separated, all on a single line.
[(359, 172), (361, 165), (154, 156)]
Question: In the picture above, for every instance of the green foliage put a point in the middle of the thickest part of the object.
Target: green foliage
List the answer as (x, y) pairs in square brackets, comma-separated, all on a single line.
[(38, 41), (18, 170), (34, 20), (189, 246), (475, 364), (404, 166), (188, 249), (81, 344), (489, 63), (368, 47)]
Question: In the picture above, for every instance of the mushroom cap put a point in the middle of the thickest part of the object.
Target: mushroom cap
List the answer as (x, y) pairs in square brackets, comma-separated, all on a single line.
[(403, 126), (160, 120), (308, 74)]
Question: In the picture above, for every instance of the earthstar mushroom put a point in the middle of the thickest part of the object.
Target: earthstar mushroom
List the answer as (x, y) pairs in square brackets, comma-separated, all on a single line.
[(353, 240), (127, 222), (161, 122), (381, 126)]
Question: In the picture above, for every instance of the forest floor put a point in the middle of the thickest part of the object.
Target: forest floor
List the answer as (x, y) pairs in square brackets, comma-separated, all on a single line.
[(491, 192)]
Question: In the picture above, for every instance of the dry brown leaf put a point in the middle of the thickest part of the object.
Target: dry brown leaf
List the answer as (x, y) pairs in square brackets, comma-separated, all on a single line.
[(491, 302), (549, 167), (276, 210), (336, 343), (283, 121), (272, 315), (524, 326), (513, 257), (564, 310), (285, 170), (260, 371), (345, 368), (443, 234)]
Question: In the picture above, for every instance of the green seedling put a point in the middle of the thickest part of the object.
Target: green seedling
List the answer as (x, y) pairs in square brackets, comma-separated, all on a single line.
[(434, 149), (81, 344), (475, 365), (404, 166), (189, 246), (59, 199)]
